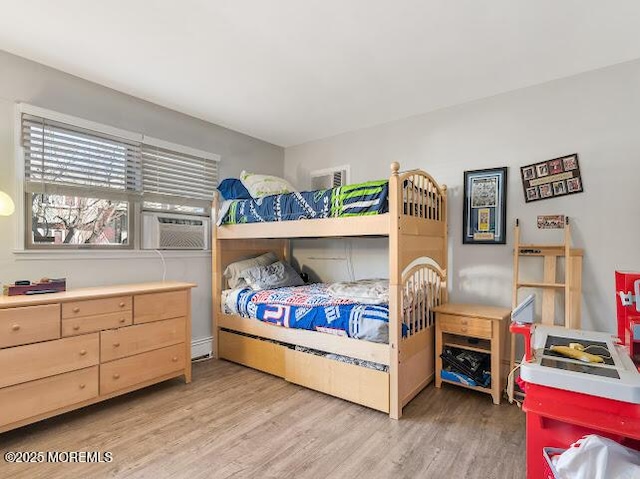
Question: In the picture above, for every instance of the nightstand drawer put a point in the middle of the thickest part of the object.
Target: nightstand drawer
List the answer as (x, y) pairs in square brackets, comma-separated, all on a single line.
[(464, 325)]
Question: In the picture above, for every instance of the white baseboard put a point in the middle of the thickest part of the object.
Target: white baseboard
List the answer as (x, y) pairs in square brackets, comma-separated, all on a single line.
[(201, 347)]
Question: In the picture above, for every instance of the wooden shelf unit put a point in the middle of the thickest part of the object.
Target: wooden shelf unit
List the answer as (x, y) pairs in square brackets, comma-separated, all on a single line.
[(541, 285), (462, 342), (571, 286), (468, 386)]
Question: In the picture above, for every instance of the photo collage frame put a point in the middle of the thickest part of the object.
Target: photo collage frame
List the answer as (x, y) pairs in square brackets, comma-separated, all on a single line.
[(552, 178)]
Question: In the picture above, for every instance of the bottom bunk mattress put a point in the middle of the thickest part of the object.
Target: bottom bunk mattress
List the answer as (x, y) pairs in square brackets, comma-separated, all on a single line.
[(312, 307)]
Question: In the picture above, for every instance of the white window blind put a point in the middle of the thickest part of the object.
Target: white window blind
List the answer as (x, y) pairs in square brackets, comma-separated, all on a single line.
[(64, 159), (175, 177)]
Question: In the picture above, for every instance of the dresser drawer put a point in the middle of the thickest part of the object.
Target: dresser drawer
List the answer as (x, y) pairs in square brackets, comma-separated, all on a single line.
[(90, 324), (141, 338), (133, 370), (35, 361), (93, 307), (465, 326), (157, 306), (29, 325), (45, 395)]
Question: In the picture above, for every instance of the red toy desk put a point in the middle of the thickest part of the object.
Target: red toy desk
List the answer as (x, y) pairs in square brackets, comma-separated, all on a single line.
[(558, 418), (628, 308)]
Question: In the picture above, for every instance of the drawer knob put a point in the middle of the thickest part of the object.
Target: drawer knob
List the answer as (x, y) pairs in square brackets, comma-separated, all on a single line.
[(82, 386), (76, 327), (122, 305), (116, 345), (76, 310), (174, 359), (464, 329), (464, 321), (15, 327), (83, 352), (116, 376), (122, 320)]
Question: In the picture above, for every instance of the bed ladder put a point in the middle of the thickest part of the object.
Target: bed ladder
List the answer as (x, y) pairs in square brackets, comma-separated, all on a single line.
[(571, 287)]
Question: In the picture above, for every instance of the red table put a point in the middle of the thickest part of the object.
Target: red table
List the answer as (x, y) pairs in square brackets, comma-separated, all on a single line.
[(558, 418)]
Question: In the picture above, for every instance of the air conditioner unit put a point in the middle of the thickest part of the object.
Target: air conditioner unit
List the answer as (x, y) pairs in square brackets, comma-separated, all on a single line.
[(330, 178), (172, 231)]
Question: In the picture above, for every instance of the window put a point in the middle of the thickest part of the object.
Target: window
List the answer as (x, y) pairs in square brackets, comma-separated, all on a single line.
[(75, 220), (170, 177), (79, 185), (85, 187)]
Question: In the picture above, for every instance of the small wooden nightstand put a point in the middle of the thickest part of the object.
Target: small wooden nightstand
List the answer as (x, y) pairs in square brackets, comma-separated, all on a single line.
[(476, 328)]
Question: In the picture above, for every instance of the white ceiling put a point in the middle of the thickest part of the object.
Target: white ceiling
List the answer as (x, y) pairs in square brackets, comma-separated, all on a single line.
[(290, 71)]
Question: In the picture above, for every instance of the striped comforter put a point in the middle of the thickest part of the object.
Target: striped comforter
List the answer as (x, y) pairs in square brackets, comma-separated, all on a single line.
[(314, 308), (370, 198)]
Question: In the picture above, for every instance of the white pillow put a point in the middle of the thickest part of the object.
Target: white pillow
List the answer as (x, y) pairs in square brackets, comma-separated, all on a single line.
[(365, 291), (265, 185), (233, 273), (273, 276)]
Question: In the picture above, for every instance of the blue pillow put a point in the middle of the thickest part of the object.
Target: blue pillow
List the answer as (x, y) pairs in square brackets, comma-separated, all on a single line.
[(233, 189)]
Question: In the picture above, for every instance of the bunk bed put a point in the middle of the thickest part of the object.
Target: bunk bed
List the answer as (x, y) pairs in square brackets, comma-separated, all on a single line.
[(416, 227)]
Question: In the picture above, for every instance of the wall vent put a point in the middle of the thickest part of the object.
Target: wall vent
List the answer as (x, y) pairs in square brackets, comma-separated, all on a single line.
[(330, 178)]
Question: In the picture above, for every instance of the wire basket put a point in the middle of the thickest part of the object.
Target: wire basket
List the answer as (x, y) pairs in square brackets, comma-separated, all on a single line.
[(550, 471)]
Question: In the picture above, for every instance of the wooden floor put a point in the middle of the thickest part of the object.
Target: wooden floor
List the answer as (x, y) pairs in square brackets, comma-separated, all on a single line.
[(234, 422)]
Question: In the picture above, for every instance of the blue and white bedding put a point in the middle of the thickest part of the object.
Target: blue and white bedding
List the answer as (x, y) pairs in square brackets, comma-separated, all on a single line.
[(312, 307), (370, 198)]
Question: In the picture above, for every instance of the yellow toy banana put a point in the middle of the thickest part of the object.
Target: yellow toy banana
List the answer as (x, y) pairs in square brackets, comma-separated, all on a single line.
[(576, 353)]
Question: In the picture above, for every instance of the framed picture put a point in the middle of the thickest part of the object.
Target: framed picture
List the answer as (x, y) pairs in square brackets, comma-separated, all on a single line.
[(529, 173), (532, 193), (542, 169), (559, 188), (545, 191), (552, 178), (555, 167), (485, 206), (551, 222)]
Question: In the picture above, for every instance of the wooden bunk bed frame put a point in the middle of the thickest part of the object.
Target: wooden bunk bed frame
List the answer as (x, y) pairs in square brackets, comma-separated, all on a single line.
[(416, 227)]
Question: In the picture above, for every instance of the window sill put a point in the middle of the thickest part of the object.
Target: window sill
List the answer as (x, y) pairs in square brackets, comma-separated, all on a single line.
[(53, 255)]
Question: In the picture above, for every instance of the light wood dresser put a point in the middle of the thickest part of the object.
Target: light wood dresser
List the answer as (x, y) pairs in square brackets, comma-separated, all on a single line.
[(63, 351)]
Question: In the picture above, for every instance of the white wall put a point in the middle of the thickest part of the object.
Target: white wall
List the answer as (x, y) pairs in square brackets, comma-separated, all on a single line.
[(596, 114), (26, 81)]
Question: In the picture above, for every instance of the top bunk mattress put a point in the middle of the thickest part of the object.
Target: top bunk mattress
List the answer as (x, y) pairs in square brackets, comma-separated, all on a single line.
[(370, 198)]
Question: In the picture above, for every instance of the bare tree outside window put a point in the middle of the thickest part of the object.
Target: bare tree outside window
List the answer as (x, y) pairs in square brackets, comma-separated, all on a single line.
[(60, 220)]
